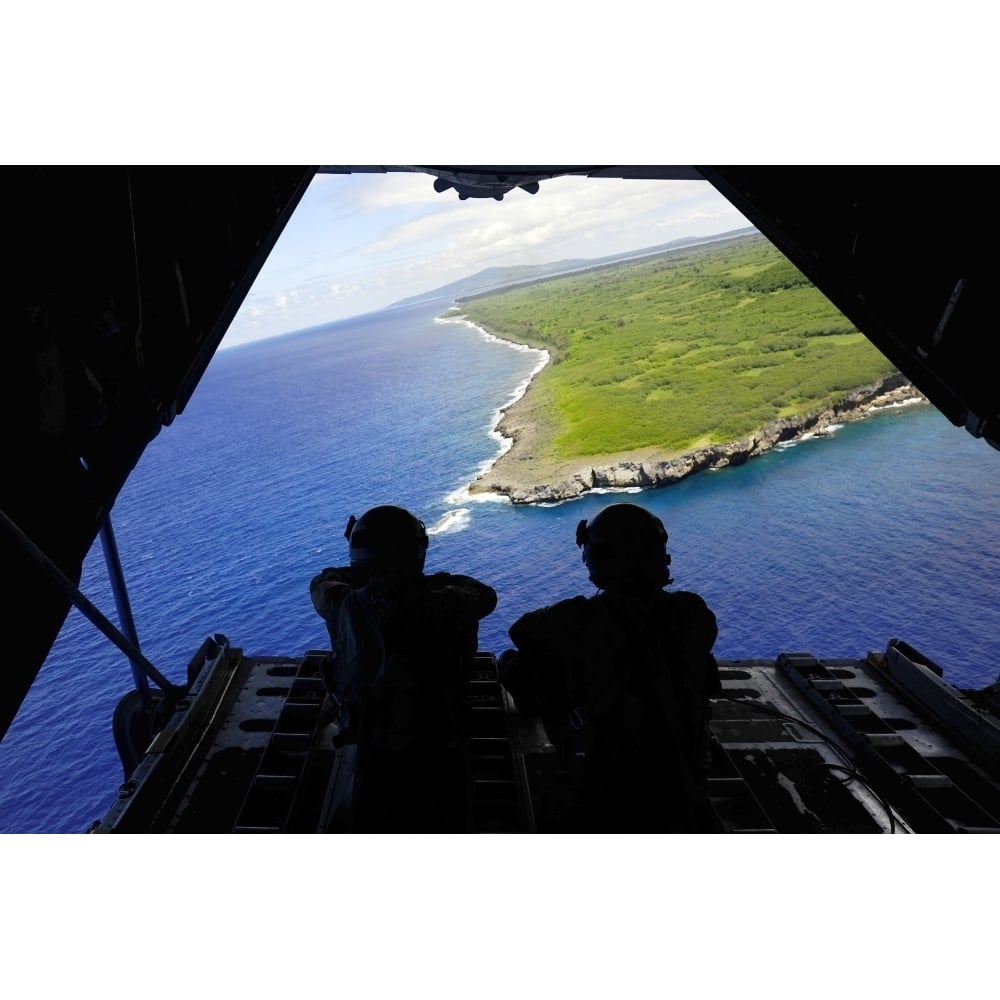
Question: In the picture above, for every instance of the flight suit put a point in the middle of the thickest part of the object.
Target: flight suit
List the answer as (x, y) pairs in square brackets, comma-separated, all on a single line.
[(623, 685)]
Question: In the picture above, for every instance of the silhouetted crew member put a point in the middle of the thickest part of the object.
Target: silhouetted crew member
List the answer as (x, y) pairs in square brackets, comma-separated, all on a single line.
[(622, 682), (403, 643)]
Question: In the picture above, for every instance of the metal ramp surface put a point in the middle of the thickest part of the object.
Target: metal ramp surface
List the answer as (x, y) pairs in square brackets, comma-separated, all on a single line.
[(799, 745), (778, 767), (925, 772), (278, 784), (497, 788)]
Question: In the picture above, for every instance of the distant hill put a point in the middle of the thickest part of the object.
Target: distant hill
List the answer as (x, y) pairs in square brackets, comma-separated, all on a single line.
[(492, 279)]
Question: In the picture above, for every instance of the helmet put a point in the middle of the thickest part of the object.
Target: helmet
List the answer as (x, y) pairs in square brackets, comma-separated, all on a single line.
[(625, 548), (389, 539)]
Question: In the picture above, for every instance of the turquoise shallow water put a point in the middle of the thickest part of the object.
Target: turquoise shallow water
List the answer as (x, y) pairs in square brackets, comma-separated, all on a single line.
[(889, 527)]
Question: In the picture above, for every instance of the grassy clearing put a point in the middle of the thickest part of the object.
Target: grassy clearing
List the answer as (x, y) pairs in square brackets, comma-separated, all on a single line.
[(705, 344)]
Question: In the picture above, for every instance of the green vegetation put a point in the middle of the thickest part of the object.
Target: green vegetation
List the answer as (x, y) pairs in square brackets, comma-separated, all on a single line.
[(694, 347)]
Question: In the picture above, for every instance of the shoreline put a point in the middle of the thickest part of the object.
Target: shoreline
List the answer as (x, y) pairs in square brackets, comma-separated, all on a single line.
[(517, 475)]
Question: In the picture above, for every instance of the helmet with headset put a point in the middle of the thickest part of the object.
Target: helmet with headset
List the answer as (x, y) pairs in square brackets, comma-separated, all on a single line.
[(387, 539), (625, 548)]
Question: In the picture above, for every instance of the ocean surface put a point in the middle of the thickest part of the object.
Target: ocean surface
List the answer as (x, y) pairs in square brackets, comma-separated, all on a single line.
[(889, 527)]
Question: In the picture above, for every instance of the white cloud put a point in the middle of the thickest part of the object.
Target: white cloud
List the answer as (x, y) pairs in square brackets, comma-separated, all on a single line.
[(359, 242), (405, 189)]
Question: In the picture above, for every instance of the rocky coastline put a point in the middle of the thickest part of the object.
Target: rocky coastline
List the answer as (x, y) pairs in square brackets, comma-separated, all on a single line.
[(524, 480)]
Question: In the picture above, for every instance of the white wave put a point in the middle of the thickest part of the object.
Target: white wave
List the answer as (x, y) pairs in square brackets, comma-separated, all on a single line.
[(828, 431), (543, 355), (463, 496), (503, 443), (597, 490), (453, 520), (899, 404)]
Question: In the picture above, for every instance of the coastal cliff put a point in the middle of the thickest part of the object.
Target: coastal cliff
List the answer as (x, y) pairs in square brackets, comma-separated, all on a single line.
[(524, 479)]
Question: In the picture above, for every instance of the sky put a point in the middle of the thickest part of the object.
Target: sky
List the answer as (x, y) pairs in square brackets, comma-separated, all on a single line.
[(360, 242)]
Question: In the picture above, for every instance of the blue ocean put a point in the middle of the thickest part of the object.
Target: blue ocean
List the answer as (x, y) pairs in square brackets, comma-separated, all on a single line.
[(887, 528)]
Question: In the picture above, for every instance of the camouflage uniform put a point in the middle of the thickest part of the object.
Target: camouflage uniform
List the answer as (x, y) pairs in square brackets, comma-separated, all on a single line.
[(328, 590), (426, 631), (622, 683)]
